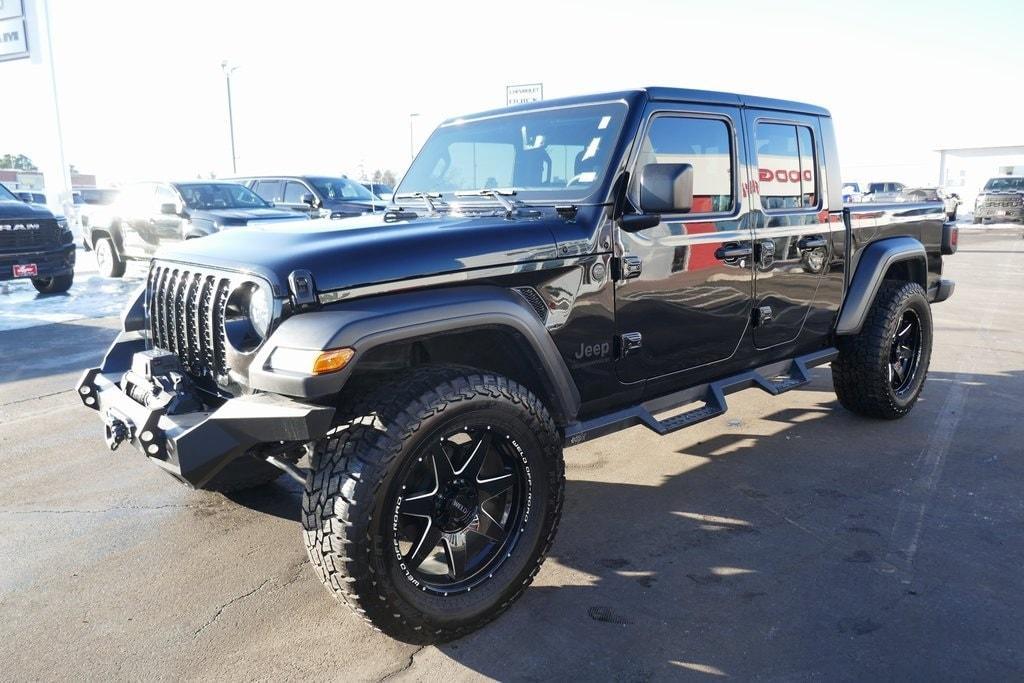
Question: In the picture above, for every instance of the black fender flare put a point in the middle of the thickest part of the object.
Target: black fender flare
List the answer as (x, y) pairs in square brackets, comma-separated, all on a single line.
[(364, 324), (874, 263)]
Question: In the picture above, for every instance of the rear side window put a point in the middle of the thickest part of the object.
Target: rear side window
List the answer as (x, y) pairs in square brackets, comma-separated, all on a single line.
[(785, 167), (269, 190), (293, 192), (703, 143)]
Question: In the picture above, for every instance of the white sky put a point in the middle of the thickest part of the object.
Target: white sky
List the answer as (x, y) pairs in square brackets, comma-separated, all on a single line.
[(328, 86)]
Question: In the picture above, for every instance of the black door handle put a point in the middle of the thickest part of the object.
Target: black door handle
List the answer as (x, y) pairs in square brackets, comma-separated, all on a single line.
[(733, 251), (814, 242)]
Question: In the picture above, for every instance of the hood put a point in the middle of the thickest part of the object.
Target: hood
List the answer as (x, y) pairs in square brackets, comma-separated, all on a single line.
[(243, 216), (366, 250), (9, 209)]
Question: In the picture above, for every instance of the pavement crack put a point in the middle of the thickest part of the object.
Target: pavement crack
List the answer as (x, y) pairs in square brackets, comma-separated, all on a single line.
[(220, 610), (36, 398), (112, 508), (406, 667)]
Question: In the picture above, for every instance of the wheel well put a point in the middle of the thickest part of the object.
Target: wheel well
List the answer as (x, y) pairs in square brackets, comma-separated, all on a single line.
[(497, 350), (909, 270)]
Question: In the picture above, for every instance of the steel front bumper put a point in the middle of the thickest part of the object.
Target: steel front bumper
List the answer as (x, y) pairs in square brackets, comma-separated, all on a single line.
[(195, 446)]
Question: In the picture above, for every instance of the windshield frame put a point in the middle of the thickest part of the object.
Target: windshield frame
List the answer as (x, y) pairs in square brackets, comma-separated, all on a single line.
[(7, 195), (178, 189), (526, 196)]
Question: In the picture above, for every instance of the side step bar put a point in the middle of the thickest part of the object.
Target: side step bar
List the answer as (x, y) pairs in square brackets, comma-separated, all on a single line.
[(775, 378)]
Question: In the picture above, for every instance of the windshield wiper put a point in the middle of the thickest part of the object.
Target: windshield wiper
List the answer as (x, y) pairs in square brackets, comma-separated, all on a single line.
[(429, 198), (498, 194)]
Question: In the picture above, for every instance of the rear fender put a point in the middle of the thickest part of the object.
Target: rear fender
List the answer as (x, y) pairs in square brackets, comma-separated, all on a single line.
[(876, 261)]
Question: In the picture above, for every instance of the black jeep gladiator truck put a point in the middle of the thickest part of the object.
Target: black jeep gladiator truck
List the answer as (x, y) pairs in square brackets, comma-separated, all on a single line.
[(35, 244), (549, 273)]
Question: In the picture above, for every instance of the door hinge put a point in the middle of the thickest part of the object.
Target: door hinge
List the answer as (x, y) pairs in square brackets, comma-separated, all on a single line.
[(629, 342), (627, 267)]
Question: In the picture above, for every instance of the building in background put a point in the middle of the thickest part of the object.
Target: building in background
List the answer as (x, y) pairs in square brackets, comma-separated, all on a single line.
[(34, 180), (964, 170)]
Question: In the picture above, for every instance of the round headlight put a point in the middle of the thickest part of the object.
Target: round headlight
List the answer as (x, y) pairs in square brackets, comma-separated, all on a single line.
[(261, 309)]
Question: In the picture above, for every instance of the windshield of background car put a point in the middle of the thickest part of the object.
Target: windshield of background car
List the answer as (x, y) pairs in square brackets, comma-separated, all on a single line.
[(1005, 184), (341, 189), (212, 196), (98, 196), (7, 195), (546, 155)]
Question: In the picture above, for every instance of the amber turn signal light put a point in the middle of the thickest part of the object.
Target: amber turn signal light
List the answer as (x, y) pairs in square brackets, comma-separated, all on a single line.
[(332, 361)]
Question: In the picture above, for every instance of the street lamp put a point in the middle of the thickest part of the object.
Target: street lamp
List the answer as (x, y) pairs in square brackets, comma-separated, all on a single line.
[(228, 70), (412, 145)]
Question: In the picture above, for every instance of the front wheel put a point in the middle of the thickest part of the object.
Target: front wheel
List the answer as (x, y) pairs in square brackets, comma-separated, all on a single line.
[(108, 262), (881, 370), (429, 510)]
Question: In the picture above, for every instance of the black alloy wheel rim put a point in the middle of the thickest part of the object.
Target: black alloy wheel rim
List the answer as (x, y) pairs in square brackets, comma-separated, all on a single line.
[(905, 351), (461, 508)]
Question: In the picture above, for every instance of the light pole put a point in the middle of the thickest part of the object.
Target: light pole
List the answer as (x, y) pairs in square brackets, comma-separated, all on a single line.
[(412, 144), (228, 70)]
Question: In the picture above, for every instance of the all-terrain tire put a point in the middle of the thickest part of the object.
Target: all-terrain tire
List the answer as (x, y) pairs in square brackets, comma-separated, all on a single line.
[(53, 285), (245, 472), (861, 374), (108, 261), (355, 491)]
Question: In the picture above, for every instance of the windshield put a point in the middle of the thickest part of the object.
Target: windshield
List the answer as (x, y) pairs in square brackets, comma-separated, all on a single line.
[(6, 195), (547, 155), (209, 196), (1005, 184), (341, 189)]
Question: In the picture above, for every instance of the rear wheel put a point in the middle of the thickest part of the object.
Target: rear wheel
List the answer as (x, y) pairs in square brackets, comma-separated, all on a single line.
[(430, 511), (880, 371), (53, 285), (109, 263)]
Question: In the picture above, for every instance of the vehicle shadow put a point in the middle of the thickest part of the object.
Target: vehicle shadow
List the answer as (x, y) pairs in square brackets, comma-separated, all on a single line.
[(767, 550)]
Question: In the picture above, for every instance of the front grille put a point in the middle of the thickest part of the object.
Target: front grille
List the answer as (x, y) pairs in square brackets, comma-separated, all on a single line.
[(23, 240), (186, 308), (1002, 202)]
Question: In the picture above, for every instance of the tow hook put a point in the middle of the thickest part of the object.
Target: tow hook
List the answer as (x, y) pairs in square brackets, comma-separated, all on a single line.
[(118, 428)]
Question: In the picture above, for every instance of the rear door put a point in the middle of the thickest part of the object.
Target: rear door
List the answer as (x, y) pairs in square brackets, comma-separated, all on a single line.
[(270, 190), (690, 304), (792, 240)]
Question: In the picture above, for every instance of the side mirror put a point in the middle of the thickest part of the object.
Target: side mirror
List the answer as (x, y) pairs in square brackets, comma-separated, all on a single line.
[(169, 209), (309, 200), (666, 188)]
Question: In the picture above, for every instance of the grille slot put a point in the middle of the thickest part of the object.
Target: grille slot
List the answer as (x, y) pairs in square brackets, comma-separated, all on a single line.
[(185, 308), (43, 236)]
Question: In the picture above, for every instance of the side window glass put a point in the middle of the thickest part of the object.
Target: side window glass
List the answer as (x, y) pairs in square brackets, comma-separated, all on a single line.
[(164, 195), (270, 190), (785, 167), (705, 144), (293, 192)]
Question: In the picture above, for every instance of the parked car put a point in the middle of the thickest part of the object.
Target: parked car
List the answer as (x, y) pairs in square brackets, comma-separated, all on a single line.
[(1002, 199), (88, 202), (852, 193), (35, 244), (318, 196), (147, 216), (382, 190), (553, 273), (884, 192), (950, 200)]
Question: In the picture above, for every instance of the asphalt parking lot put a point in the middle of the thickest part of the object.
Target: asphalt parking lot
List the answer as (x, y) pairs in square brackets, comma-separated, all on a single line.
[(786, 539)]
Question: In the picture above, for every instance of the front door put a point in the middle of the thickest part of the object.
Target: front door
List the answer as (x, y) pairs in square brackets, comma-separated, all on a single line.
[(792, 241), (690, 303)]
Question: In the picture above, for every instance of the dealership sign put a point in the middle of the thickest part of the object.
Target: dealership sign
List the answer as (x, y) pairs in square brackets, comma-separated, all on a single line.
[(13, 43), (523, 94)]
